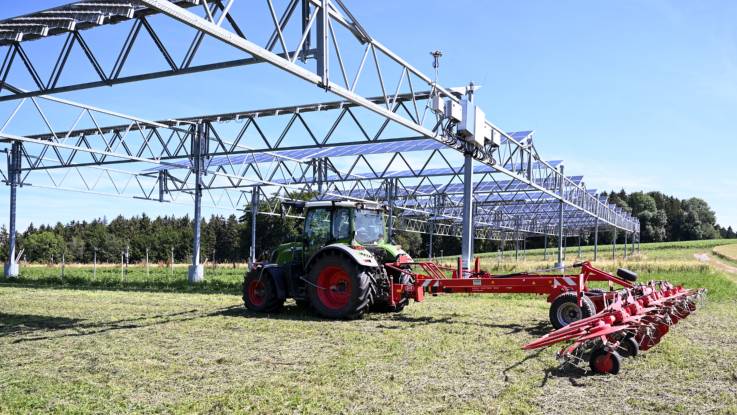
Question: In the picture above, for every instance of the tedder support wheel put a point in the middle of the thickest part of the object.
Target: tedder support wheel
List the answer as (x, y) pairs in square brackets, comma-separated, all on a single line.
[(604, 362), (628, 347), (564, 310), (259, 293), (338, 287)]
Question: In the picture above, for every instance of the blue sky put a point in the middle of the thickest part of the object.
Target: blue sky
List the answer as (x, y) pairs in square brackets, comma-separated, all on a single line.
[(631, 94)]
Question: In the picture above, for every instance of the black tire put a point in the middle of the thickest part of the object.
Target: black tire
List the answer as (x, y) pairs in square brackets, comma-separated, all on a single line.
[(564, 310), (338, 287), (626, 275), (383, 306), (605, 362), (259, 292), (303, 304), (628, 347)]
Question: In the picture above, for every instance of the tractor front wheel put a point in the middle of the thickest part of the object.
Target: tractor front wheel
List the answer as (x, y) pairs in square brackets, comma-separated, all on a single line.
[(259, 293), (338, 287)]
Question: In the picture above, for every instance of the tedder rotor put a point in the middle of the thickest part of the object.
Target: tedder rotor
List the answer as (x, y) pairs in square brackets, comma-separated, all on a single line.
[(344, 266)]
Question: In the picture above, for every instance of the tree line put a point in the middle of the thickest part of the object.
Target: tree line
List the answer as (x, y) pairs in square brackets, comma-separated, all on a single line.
[(667, 218), (228, 239), (224, 239)]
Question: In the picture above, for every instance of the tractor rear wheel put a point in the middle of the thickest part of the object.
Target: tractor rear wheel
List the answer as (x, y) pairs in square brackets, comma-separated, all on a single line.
[(564, 310), (259, 292), (338, 287)]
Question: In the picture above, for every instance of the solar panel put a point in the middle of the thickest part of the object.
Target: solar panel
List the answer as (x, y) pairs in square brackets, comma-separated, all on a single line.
[(307, 154), (484, 192)]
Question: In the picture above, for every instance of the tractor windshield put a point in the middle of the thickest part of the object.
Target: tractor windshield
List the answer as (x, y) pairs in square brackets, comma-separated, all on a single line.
[(369, 226)]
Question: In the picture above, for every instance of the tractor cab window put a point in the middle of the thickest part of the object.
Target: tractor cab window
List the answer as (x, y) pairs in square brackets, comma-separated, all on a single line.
[(369, 226), (341, 224), (317, 226)]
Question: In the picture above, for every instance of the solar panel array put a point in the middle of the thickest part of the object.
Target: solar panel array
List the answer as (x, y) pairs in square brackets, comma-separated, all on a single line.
[(310, 153)]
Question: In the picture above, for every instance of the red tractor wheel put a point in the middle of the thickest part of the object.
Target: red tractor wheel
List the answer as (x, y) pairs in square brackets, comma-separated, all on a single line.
[(259, 293), (338, 287), (603, 361)]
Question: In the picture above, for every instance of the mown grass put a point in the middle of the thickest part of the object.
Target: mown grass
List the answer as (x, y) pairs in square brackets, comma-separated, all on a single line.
[(728, 252), (74, 346)]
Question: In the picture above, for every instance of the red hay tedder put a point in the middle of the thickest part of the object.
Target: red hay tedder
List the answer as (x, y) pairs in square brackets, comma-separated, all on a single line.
[(599, 326)]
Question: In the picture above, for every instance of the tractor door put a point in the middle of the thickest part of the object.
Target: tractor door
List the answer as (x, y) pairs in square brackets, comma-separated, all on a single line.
[(317, 230)]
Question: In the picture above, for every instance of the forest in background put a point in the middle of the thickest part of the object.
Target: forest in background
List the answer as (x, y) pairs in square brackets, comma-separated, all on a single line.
[(227, 239)]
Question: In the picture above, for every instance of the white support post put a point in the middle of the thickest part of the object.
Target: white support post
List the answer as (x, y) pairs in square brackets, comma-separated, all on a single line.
[(614, 244), (12, 269), (632, 251), (199, 151), (560, 264), (390, 192), (596, 237), (254, 213), (467, 231), (323, 43), (545, 249)]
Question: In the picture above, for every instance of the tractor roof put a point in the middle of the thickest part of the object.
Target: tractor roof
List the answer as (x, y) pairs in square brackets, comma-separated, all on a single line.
[(343, 203)]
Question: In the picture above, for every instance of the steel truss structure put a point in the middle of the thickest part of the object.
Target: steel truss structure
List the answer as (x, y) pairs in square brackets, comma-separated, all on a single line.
[(379, 141)]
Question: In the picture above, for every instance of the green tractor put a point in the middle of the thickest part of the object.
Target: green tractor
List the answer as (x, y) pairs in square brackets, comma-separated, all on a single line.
[(342, 267)]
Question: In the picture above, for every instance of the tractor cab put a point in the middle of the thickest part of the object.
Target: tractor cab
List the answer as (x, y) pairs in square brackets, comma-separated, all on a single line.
[(356, 225), (353, 225)]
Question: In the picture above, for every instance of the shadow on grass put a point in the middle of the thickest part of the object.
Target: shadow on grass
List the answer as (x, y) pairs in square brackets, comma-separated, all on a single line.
[(538, 329), (47, 326), (11, 324), (570, 372), (40, 327), (211, 286)]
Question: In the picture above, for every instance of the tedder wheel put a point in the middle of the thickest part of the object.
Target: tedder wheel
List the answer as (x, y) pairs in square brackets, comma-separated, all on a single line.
[(565, 310), (628, 347), (626, 275), (259, 293), (338, 287), (605, 362)]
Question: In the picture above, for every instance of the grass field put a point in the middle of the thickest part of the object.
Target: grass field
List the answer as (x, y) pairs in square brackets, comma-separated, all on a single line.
[(728, 252), (151, 344)]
